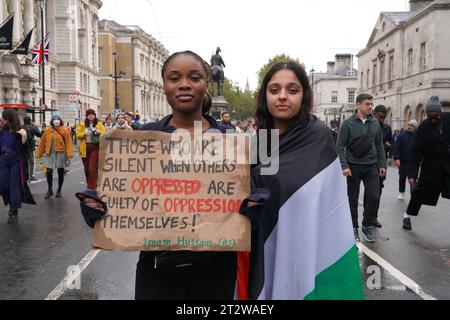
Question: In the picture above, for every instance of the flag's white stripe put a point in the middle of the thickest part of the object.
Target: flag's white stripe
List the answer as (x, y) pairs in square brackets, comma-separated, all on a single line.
[(314, 231)]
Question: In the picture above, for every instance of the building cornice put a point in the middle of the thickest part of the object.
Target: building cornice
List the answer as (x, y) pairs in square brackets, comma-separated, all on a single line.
[(336, 78), (97, 3), (404, 24)]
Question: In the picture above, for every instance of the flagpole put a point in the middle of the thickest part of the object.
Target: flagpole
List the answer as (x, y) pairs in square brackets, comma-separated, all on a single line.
[(42, 5)]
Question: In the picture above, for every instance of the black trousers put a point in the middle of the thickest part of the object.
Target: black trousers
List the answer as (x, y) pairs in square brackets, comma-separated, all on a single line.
[(371, 180), (50, 178), (217, 283), (403, 176), (379, 196)]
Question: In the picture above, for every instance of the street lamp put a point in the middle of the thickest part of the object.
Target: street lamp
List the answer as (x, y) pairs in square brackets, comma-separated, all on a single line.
[(116, 101), (42, 4), (312, 86), (33, 98), (312, 78), (334, 116)]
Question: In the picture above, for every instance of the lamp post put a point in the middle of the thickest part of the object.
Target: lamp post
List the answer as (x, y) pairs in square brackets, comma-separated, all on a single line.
[(334, 116), (44, 106), (312, 79), (312, 86), (33, 98), (116, 101)]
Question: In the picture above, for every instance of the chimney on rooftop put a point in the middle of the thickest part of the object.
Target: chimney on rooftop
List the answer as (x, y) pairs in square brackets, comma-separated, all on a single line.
[(330, 67), (343, 60), (417, 5)]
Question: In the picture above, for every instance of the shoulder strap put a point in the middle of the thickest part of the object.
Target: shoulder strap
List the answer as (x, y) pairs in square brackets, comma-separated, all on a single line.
[(61, 136)]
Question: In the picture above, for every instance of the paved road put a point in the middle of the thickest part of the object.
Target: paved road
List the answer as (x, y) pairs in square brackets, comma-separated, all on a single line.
[(50, 237)]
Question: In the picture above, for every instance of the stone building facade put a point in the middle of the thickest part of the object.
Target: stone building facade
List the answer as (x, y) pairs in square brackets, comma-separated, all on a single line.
[(407, 60), (73, 69), (335, 90), (140, 58)]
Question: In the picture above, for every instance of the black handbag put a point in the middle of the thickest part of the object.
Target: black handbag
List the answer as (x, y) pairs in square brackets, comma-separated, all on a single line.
[(183, 262), (360, 146)]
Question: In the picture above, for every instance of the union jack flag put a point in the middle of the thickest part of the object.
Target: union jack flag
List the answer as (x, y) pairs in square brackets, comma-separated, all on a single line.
[(40, 52)]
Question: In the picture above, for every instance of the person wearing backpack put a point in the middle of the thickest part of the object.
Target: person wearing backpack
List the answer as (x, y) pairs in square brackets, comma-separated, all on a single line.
[(362, 155), (32, 132), (56, 145)]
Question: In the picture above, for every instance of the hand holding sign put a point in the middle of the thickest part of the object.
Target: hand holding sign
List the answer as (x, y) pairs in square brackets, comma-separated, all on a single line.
[(165, 193)]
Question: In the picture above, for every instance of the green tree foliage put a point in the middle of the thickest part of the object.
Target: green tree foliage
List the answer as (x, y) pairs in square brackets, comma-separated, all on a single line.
[(279, 57), (243, 102)]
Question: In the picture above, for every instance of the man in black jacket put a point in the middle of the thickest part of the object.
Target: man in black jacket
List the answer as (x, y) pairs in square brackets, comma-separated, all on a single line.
[(431, 153), (402, 150), (32, 132), (380, 113)]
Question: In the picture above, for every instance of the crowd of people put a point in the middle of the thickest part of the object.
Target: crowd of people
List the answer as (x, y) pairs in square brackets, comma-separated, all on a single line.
[(363, 146), (19, 149)]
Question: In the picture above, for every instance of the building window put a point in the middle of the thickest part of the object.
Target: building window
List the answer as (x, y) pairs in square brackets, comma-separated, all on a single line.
[(368, 79), (85, 83), (351, 96), (410, 62), (154, 70), (374, 75), (382, 74), (362, 80), (52, 78), (93, 57), (334, 96), (391, 70), (423, 60), (99, 59), (81, 48), (142, 64)]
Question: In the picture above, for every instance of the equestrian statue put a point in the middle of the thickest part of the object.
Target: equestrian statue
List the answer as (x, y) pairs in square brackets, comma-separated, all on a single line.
[(217, 74)]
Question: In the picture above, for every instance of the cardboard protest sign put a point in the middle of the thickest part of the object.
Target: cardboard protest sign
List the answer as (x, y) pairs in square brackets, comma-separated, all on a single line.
[(173, 192)]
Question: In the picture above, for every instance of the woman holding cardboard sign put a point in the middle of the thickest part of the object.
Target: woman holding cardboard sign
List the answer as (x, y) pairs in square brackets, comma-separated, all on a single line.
[(179, 275)]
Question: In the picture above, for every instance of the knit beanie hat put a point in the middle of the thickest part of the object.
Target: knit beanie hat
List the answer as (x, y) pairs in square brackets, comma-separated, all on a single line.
[(56, 116), (380, 108), (433, 105)]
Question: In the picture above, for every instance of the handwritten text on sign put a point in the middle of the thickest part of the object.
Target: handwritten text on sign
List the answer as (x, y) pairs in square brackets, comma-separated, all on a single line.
[(173, 192)]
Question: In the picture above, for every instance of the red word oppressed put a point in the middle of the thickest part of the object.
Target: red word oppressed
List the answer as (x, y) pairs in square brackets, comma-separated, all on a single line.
[(183, 205), (158, 187)]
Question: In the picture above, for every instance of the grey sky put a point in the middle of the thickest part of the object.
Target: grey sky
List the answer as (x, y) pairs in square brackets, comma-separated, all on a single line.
[(250, 32)]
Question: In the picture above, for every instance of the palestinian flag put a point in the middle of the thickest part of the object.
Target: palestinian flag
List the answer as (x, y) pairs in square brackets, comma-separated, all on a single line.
[(303, 246)]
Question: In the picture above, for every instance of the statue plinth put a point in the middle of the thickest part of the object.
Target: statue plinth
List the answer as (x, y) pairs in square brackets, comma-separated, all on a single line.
[(219, 105)]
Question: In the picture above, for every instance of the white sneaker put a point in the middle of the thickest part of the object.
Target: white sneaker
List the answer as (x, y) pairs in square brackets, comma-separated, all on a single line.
[(401, 196)]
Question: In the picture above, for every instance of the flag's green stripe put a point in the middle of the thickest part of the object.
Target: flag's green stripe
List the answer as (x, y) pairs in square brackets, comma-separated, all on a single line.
[(341, 281)]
